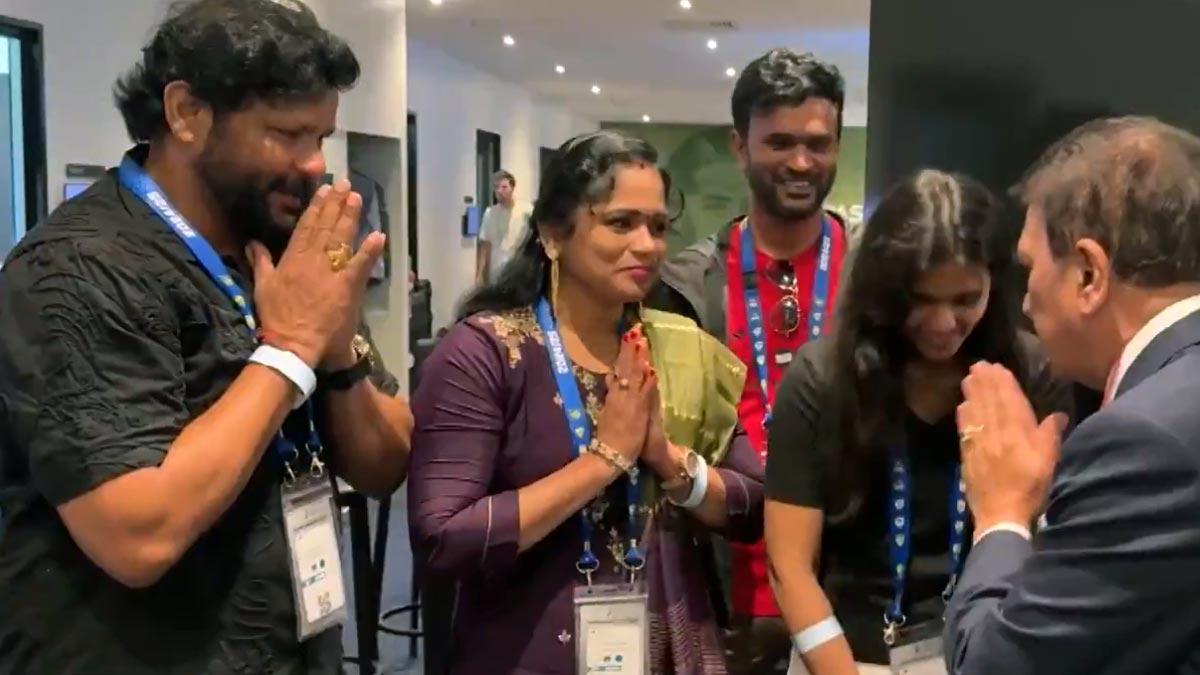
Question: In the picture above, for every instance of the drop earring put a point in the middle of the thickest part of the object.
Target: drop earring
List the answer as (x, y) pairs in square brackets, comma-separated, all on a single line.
[(552, 254)]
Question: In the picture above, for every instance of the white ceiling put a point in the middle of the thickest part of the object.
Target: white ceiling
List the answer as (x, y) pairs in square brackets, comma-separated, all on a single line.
[(648, 56)]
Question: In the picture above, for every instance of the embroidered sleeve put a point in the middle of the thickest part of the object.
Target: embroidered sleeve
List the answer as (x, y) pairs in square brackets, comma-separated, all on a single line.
[(93, 365)]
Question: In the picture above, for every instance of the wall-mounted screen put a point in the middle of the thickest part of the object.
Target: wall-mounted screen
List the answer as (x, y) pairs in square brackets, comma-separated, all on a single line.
[(472, 221), (72, 189)]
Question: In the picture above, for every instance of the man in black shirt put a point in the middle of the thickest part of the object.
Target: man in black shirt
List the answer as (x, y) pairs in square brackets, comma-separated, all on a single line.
[(153, 413)]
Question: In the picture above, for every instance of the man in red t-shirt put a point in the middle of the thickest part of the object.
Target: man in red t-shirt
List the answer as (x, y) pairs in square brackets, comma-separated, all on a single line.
[(766, 283)]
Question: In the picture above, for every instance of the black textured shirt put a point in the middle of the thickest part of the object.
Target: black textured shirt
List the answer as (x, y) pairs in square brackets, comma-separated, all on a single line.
[(113, 338)]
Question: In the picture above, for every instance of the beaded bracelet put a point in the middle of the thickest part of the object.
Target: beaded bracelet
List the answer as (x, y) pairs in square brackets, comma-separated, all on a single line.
[(605, 452)]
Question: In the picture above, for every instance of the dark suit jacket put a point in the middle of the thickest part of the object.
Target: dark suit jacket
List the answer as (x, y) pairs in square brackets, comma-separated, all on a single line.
[(1112, 584)]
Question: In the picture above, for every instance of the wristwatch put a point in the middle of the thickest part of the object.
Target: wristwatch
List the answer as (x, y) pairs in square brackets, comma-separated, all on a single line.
[(687, 471), (364, 360)]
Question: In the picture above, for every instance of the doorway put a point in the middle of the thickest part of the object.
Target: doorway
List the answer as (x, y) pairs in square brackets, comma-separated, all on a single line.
[(22, 131), (487, 163)]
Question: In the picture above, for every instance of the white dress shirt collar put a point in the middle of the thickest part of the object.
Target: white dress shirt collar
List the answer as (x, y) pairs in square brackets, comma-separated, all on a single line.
[(1153, 328)]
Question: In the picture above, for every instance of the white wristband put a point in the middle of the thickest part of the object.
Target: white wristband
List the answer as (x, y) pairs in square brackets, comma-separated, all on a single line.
[(699, 486), (290, 366), (817, 634)]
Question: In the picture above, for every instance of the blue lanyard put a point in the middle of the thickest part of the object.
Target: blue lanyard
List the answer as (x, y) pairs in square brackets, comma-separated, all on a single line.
[(754, 309), (581, 438), (900, 531), (136, 180)]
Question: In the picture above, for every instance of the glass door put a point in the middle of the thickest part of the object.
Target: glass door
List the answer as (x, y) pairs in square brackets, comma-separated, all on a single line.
[(22, 135)]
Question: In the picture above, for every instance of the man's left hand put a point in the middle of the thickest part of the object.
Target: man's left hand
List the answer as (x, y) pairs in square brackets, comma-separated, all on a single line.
[(1008, 457)]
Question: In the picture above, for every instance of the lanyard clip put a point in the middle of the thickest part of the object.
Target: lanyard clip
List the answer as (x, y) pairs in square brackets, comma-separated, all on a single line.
[(588, 562), (891, 628)]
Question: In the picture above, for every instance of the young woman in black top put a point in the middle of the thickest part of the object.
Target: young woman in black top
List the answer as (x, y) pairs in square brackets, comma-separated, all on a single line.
[(863, 450)]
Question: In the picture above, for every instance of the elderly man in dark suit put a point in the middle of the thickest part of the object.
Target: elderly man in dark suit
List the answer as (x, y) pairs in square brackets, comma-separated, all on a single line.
[(1111, 582)]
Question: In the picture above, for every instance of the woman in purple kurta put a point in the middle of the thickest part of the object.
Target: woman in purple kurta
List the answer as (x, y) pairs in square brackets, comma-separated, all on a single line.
[(490, 423)]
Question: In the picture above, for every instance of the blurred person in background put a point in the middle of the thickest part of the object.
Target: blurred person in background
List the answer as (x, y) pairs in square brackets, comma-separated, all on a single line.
[(503, 230), (567, 441), (182, 348), (767, 283), (866, 525)]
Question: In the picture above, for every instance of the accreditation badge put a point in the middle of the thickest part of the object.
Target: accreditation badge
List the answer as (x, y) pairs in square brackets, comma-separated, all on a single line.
[(917, 650), (612, 629), (317, 583)]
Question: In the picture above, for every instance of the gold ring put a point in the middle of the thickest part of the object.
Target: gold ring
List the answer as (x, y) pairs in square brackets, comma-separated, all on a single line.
[(969, 433), (339, 256)]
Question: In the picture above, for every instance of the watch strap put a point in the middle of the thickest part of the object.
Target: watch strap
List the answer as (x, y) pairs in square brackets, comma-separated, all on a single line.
[(341, 380)]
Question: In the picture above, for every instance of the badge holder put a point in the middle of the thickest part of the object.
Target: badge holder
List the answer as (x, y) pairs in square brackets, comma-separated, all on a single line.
[(612, 623), (311, 525), (916, 650)]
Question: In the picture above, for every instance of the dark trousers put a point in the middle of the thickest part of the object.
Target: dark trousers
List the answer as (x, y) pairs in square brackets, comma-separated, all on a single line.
[(759, 645)]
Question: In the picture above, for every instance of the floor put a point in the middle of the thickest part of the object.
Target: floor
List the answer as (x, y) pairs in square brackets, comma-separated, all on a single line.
[(393, 650)]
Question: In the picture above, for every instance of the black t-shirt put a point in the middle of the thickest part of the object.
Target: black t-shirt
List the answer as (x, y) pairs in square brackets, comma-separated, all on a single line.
[(854, 569), (114, 338)]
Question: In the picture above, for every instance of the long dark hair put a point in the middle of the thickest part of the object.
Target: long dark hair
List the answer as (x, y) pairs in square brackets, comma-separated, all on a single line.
[(582, 172), (927, 220)]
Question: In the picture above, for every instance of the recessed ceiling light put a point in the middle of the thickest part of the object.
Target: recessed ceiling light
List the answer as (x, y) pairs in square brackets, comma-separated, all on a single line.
[(730, 72), (436, 3), (560, 69), (645, 118), (712, 44), (683, 4), (509, 41), (595, 89)]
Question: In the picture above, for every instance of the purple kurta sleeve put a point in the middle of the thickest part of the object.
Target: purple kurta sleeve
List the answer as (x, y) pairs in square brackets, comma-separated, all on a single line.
[(742, 472), (456, 526)]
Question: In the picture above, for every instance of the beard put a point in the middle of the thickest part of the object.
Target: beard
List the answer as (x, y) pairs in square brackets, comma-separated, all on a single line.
[(767, 189), (244, 197)]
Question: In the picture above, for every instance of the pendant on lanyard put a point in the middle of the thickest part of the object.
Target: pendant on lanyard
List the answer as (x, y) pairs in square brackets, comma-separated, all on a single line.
[(581, 438), (136, 180), (754, 309), (900, 536)]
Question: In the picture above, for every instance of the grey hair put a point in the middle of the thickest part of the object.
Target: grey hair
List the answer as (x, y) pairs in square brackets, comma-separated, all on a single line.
[(1132, 184)]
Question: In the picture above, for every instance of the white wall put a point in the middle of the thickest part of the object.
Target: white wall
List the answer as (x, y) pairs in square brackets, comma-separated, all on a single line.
[(451, 100), (83, 125), (377, 105)]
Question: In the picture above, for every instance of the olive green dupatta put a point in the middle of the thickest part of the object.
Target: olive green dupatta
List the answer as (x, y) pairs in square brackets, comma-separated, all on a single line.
[(700, 383), (699, 380)]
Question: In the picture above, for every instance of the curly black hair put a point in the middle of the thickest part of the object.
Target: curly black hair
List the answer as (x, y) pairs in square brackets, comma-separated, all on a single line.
[(784, 77), (232, 53)]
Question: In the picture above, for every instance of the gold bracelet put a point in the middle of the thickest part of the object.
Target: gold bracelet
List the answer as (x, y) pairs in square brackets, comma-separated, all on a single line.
[(615, 459)]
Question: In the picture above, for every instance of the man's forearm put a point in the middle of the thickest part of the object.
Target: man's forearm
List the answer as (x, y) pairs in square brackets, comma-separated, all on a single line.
[(370, 432), (137, 526)]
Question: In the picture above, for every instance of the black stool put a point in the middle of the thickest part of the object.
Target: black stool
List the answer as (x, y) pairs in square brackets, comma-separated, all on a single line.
[(414, 632), (367, 580)]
